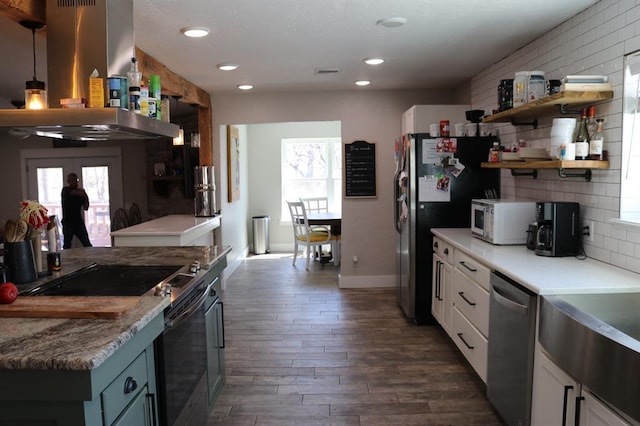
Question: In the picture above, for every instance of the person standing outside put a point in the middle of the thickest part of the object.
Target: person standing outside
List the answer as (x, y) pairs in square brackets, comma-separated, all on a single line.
[(75, 202)]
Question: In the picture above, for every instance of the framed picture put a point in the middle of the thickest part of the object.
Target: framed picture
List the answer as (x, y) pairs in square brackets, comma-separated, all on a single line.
[(233, 163)]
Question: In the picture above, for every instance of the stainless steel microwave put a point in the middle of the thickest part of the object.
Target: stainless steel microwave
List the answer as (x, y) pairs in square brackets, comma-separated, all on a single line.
[(502, 222)]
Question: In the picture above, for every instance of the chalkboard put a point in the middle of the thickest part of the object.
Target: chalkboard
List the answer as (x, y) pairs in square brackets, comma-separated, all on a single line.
[(360, 169)]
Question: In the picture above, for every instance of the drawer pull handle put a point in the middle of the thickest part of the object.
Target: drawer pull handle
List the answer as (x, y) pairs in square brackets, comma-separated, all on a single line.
[(130, 385), (468, 267), (464, 341), (461, 293), (564, 404)]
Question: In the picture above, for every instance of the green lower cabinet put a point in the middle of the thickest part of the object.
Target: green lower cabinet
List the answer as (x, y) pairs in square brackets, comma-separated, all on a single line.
[(138, 412), (121, 391)]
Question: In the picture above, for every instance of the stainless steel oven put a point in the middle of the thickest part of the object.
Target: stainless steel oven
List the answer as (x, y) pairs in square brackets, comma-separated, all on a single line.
[(181, 352)]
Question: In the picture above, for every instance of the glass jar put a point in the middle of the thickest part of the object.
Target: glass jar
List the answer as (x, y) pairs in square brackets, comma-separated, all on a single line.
[(505, 94)]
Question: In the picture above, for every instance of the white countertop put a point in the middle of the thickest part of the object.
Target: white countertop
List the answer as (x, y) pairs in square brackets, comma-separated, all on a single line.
[(175, 224), (171, 230), (544, 275)]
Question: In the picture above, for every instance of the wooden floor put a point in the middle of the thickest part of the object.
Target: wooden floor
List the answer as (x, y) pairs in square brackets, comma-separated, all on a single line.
[(301, 351)]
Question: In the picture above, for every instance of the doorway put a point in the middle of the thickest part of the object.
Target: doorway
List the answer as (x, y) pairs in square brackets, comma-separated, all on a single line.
[(100, 174)]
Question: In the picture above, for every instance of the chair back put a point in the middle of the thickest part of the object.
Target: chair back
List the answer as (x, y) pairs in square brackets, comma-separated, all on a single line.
[(316, 204), (119, 220), (135, 217), (299, 221)]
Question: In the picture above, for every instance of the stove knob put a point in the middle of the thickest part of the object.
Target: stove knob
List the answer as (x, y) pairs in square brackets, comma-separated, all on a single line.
[(194, 267)]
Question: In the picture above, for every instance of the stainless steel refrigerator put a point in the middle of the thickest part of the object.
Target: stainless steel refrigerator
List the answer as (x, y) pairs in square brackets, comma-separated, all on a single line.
[(435, 181)]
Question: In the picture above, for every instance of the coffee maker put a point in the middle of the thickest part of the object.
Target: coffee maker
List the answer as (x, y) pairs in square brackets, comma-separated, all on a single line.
[(558, 231), (205, 191)]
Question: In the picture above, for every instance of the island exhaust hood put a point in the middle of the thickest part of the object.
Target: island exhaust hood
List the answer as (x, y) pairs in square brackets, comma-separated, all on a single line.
[(83, 35)]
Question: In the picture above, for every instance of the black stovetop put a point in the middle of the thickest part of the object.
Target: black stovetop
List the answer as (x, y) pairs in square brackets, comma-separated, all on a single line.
[(107, 280)]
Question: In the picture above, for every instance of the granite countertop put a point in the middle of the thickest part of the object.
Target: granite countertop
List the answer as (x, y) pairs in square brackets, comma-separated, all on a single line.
[(84, 344), (544, 275)]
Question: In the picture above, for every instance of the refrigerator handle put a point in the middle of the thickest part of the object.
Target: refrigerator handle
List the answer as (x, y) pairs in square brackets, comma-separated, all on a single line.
[(396, 203)]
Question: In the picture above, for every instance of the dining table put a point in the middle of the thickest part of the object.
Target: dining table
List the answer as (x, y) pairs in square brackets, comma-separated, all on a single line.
[(334, 221)]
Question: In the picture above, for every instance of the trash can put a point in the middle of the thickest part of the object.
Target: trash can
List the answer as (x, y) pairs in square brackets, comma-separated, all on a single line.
[(261, 234)]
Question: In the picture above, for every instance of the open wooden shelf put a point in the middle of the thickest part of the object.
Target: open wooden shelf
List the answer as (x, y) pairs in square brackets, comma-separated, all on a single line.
[(549, 164), (548, 104), (560, 165)]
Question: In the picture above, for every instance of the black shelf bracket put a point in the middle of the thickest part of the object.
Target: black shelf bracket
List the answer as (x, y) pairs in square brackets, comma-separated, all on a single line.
[(533, 123), (586, 174), (564, 110), (533, 173)]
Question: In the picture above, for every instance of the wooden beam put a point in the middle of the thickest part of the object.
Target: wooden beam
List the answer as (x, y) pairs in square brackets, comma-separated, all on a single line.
[(173, 84), (21, 10)]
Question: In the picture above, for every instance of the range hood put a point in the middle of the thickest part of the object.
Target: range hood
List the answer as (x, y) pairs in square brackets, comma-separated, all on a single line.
[(83, 35)]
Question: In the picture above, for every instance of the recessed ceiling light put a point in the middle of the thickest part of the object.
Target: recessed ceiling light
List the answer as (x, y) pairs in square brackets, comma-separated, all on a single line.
[(373, 61), (245, 86), (227, 67), (195, 31), (392, 22), (363, 83)]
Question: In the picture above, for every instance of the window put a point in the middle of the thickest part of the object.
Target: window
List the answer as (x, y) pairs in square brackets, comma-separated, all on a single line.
[(630, 173), (311, 167)]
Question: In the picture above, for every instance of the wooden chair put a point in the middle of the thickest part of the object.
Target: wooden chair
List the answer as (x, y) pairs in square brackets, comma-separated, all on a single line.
[(303, 234), (135, 217), (316, 205), (119, 220)]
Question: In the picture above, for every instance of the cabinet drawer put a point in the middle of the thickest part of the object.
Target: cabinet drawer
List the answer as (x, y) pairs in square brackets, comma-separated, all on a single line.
[(443, 249), (473, 269), (471, 343), (472, 301), (124, 389)]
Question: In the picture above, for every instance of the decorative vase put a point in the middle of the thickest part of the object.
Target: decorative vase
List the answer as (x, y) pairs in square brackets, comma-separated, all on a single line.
[(36, 242)]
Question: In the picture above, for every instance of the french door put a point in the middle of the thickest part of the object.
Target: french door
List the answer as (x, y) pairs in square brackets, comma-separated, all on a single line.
[(100, 174)]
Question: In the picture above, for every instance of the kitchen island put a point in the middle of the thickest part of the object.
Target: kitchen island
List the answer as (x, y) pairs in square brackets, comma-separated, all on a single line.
[(88, 371), (171, 230)]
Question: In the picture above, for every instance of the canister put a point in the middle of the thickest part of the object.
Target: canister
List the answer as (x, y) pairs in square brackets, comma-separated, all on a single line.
[(536, 86), (520, 88), (118, 92)]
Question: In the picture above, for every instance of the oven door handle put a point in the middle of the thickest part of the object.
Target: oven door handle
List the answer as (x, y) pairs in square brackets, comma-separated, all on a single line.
[(186, 314)]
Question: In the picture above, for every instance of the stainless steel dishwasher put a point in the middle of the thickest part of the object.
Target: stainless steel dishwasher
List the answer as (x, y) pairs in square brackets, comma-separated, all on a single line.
[(512, 316)]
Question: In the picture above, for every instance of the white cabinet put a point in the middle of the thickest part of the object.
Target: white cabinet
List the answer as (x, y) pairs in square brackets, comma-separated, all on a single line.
[(556, 395), (470, 313), (441, 302)]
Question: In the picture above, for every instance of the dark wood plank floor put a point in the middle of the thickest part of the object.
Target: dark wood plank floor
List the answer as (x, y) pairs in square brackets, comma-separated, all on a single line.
[(301, 351)]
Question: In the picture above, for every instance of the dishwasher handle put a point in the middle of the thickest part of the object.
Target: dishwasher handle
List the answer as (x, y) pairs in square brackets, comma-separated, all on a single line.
[(508, 303)]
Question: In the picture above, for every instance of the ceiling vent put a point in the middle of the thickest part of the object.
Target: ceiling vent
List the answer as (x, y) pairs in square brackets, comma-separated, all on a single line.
[(324, 71)]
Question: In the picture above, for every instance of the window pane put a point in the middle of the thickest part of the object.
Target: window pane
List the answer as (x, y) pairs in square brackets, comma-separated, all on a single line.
[(306, 160), (630, 179)]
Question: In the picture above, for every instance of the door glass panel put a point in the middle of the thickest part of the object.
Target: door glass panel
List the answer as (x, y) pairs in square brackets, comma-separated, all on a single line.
[(95, 180), (50, 181)]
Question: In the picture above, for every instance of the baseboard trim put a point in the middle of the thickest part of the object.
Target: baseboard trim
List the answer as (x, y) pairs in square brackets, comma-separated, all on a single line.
[(370, 281)]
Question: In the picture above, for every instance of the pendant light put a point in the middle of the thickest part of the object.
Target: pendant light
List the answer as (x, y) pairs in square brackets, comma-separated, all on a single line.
[(179, 140), (35, 93)]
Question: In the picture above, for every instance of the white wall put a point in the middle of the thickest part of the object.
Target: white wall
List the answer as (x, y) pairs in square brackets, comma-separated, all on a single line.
[(592, 42), (374, 116)]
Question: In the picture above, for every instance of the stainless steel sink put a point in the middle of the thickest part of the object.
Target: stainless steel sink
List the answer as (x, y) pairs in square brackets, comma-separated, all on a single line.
[(596, 339)]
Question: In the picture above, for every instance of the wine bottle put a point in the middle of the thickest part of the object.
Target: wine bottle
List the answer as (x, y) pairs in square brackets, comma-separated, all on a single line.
[(597, 141), (582, 138)]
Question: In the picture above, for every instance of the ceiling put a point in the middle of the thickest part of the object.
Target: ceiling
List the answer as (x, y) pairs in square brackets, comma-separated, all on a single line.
[(278, 44)]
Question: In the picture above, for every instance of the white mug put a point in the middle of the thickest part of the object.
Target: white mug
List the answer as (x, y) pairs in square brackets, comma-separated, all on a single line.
[(461, 129), (472, 129), (434, 130), (567, 152)]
